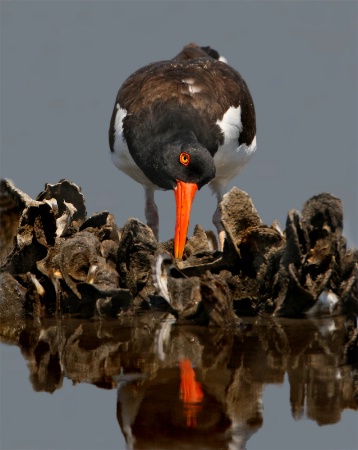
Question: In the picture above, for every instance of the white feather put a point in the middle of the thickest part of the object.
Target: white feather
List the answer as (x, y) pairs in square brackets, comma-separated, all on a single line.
[(120, 155), (230, 158)]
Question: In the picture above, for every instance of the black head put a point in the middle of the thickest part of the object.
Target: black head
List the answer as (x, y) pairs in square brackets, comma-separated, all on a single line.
[(185, 159)]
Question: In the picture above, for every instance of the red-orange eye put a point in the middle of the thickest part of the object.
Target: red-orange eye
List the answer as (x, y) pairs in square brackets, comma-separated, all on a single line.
[(184, 158)]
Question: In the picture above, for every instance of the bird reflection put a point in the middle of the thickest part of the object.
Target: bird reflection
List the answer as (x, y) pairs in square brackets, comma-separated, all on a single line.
[(182, 385)]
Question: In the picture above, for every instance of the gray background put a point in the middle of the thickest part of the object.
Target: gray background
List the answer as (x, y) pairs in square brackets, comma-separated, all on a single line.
[(61, 66)]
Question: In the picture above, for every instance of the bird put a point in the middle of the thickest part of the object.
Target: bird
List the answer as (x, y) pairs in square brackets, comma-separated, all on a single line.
[(182, 123)]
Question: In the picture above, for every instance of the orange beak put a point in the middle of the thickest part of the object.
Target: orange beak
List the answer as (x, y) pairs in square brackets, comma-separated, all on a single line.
[(184, 196)]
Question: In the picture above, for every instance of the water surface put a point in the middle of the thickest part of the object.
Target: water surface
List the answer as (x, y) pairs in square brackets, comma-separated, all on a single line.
[(272, 383)]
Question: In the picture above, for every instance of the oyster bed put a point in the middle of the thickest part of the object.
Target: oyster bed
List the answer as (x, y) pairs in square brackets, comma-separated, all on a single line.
[(56, 260)]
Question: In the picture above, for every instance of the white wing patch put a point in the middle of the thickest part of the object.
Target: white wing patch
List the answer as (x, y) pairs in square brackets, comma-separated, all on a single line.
[(231, 124), (121, 157), (190, 82), (121, 114), (230, 158)]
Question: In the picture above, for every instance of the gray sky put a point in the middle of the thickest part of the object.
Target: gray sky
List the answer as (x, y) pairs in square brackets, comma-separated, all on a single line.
[(62, 63)]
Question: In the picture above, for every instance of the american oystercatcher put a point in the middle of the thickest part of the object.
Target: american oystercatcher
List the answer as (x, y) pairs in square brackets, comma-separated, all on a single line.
[(180, 124)]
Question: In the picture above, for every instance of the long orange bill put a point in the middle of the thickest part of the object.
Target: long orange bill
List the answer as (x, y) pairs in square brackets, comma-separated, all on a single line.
[(184, 196)]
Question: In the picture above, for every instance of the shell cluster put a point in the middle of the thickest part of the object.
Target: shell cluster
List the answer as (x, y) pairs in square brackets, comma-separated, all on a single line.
[(54, 259)]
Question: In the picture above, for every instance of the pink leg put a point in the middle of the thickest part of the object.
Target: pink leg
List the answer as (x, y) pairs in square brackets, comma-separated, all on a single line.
[(151, 211), (219, 190)]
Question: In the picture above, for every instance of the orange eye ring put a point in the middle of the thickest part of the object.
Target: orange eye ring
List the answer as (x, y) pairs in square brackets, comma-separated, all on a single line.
[(184, 158)]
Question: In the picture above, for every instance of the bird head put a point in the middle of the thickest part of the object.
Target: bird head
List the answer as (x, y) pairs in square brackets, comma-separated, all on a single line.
[(187, 166)]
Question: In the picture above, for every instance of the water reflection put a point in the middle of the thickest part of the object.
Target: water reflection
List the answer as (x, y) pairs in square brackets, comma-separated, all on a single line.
[(180, 384)]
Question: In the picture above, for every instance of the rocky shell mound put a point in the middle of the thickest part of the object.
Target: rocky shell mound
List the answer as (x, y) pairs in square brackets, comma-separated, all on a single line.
[(56, 260)]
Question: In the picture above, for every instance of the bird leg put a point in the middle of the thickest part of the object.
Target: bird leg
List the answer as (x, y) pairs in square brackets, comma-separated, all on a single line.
[(217, 219), (151, 211), (219, 227)]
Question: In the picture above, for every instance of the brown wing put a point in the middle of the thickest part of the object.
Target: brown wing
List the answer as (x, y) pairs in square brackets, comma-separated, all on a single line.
[(217, 85), (204, 87)]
